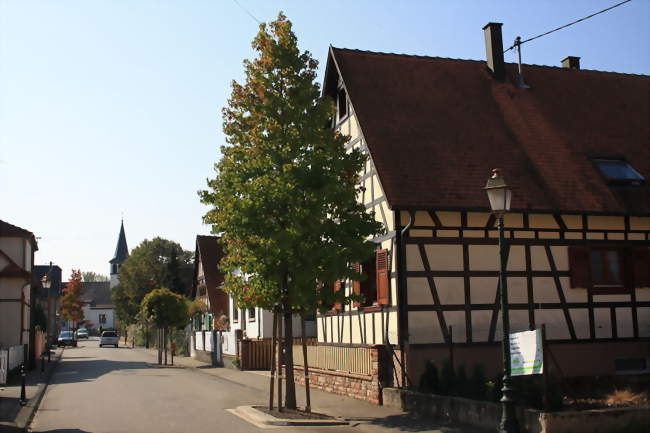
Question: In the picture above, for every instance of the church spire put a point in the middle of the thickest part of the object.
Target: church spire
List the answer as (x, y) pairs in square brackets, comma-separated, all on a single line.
[(121, 251)]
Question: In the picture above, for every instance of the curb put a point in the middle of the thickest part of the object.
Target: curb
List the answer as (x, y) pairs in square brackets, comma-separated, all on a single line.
[(26, 414), (261, 419)]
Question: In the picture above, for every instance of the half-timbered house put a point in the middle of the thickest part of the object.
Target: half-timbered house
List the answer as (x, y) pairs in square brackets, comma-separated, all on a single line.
[(575, 146)]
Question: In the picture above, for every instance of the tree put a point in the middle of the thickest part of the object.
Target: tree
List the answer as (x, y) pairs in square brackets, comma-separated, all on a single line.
[(165, 309), (90, 277), (71, 305), (284, 196), (146, 269)]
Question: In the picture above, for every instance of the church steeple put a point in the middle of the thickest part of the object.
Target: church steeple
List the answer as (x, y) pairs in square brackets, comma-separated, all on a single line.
[(121, 253)]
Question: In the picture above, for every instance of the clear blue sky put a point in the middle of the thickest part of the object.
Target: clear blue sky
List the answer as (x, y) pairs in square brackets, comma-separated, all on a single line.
[(115, 106)]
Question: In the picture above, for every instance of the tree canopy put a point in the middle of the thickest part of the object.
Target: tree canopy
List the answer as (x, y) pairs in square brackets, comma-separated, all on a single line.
[(71, 308), (165, 309), (284, 197), (90, 276), (147, 268)]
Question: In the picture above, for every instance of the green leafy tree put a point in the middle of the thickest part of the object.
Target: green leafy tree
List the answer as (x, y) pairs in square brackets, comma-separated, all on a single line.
[(284, 196), (90, 277), (146, 269), (165, 309), (71, 305)]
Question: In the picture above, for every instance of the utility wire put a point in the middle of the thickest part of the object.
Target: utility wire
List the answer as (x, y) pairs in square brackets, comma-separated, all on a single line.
[(567, 25), (250, 14)]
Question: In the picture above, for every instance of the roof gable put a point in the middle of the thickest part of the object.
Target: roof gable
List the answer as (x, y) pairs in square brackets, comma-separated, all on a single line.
[(208, 254), (436, 127)]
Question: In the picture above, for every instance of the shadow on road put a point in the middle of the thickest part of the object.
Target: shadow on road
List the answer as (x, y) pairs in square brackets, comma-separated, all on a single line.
[(411, 423), (80, 370)]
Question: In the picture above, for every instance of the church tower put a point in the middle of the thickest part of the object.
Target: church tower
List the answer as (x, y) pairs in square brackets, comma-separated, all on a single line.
[(121, 253)]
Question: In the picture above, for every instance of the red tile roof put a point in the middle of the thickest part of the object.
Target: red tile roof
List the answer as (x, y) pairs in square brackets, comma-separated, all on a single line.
[(435, 127)]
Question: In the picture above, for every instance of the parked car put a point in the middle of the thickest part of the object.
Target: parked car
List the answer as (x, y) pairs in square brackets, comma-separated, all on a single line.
[(67, 338), (108, 338), (82, 333)]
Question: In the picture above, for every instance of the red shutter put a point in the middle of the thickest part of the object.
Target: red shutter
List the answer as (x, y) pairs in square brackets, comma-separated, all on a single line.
[(579, 267), (337, 287), (641, 263), (356, 285), (382, 277)]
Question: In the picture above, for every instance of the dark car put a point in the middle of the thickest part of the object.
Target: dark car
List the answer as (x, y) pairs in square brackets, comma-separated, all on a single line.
[(67, 338)]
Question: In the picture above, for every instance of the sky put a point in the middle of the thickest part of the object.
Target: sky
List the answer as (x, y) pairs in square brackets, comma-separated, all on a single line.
[(112, 109)]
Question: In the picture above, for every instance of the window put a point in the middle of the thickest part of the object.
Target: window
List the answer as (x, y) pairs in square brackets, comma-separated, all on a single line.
[(251, 314), (102, 319), (374, 288), (609, 270), (235, 313), (342, 103), (617, 170), (605, 266)]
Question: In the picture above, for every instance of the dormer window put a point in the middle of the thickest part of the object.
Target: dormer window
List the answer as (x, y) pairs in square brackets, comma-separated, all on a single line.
[(342, 104), (618, 171)]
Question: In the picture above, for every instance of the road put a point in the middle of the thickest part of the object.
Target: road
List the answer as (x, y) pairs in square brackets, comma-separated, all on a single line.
[(117, 390)]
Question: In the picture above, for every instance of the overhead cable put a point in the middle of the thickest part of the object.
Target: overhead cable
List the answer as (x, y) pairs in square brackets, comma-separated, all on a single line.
[(570, 24)]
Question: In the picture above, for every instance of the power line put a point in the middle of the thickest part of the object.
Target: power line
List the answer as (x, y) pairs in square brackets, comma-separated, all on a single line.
[(250, 14), (567, 25)]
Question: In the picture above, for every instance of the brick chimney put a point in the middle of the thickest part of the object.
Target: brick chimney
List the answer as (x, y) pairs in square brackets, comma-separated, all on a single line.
[(571, 62), (494, 49)]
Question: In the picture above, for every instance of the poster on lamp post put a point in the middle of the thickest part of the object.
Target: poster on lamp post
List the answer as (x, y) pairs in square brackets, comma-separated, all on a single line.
[(526, 353)]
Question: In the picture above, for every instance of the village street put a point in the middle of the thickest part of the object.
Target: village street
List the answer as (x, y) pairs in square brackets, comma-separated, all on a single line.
[(120, 390)]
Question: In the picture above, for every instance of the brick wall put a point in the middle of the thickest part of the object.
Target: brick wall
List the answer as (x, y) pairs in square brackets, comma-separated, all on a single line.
[(362, 387)]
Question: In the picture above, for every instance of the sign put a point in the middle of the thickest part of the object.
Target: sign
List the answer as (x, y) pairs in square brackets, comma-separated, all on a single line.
[(526, 353)]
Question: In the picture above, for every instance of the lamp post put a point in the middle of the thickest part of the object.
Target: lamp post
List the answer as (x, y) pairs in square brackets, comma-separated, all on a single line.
[(499, 194), (47, 283)]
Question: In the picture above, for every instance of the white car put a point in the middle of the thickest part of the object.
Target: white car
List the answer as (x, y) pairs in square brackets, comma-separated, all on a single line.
[(82, 333), (108, 338)]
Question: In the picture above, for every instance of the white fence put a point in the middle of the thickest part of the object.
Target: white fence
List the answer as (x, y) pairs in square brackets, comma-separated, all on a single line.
[(10, 359), (198, 340)]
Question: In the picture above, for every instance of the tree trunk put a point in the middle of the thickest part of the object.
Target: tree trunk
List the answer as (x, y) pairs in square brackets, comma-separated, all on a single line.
[(275, 333), (305, 363), (158, 335), (290, 398), (165, 337), (280, 362)]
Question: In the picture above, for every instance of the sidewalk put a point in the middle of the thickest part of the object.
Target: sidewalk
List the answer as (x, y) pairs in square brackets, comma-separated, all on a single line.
[(367, 417), (13, 416)]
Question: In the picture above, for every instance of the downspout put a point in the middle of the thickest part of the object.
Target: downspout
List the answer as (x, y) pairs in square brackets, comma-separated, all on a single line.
[(402, 298)]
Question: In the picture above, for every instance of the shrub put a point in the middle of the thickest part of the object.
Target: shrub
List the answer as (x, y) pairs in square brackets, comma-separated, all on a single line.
[(624, 397), (429, 382), (447, 378), (477, 383), (460, 386)]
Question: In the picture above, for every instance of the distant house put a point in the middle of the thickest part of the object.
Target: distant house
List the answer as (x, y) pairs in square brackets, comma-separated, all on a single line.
[(221, 313), (99, 311), (575, 146), (17, 248), (49, 301)]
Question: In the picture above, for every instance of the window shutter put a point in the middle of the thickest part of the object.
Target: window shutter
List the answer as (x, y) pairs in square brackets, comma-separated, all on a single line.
[(641, 266), (336, 288), (382, 277), (579, 267), (356, 285)]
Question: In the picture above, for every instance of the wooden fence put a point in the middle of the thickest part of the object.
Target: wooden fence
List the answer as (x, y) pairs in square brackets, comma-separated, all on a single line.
[(256, 354), (346, 359)]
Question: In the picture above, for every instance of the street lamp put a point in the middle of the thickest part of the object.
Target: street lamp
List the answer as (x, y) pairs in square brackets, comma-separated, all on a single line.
[(499, 194)]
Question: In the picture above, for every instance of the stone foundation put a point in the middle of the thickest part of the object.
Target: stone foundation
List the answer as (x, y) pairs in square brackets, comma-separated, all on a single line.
[(362, 387)]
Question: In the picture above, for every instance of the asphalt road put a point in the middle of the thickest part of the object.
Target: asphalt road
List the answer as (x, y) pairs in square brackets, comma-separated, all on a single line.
[(97, 390)]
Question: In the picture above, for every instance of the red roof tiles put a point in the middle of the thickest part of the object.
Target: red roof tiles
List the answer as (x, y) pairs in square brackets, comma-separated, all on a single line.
[(435, 128)]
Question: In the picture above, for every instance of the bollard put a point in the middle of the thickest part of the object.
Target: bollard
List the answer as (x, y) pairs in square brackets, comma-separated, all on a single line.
[(23, 398), (42, 362), (49, 352)]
